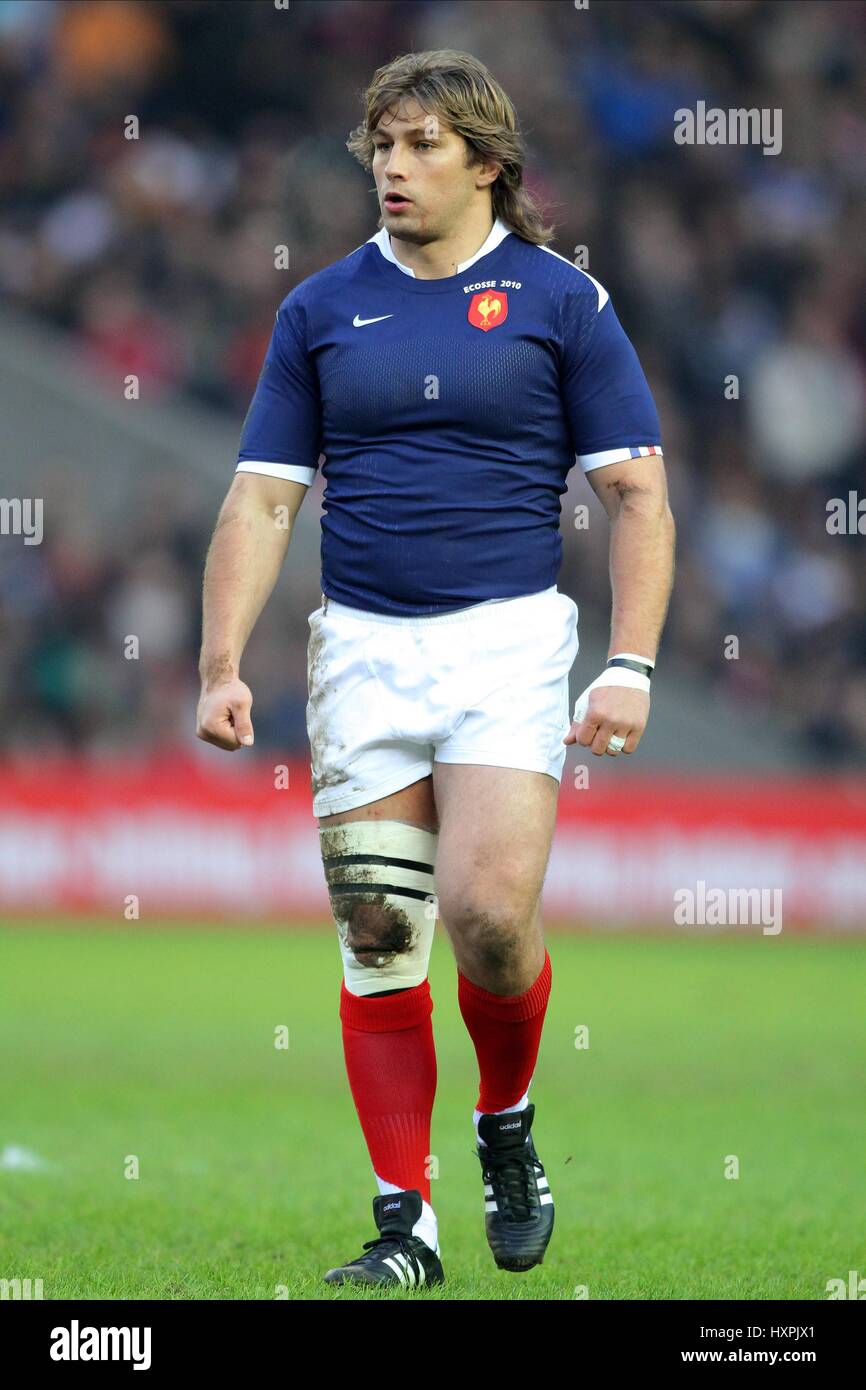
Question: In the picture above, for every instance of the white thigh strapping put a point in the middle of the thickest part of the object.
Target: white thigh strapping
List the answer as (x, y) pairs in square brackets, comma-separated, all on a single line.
[(380, 882)]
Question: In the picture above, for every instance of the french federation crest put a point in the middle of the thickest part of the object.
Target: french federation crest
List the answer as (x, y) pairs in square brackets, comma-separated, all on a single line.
[(488, 309)]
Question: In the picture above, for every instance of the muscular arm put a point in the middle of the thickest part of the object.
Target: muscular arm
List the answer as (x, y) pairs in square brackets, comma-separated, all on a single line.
[(634, 495), (244, 560)]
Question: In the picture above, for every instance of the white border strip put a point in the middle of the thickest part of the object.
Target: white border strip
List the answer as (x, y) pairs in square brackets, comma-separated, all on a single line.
[(590, 461), (600, 290), (291, 472)]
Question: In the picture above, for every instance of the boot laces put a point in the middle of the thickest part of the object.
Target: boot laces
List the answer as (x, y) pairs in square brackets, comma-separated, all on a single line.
[(513, 1175), (383, 1246)]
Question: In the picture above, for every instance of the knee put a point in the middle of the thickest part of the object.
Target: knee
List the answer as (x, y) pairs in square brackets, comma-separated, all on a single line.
[(373, 931), (492, 934)]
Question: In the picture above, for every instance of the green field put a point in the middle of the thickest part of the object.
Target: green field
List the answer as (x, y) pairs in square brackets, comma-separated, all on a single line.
[(252, 1170)]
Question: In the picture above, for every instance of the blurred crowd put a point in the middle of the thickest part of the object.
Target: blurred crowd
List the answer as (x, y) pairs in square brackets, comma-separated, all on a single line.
[(738, 275)]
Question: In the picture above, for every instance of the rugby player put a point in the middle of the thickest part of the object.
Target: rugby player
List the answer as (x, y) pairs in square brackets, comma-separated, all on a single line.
[(445, 375)]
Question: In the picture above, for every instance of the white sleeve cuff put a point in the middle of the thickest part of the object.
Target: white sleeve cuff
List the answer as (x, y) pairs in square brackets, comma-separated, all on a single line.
[(292, 472), (590, 461)]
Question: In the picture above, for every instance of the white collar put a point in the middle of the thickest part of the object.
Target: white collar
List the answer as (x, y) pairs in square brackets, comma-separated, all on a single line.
[(499, 231)]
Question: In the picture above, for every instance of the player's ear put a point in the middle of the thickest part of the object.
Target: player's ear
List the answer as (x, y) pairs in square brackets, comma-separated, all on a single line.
[(486, 170), (489, 173)]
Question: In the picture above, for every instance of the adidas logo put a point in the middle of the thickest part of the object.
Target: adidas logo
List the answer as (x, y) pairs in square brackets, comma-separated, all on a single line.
[(515, 1124), (391, 1206)]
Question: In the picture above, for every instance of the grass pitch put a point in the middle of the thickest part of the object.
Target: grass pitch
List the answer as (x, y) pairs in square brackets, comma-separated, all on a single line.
[(158, 1046)]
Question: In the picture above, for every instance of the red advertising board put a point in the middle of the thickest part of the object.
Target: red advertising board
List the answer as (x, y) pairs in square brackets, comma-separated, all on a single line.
[(235, 837)]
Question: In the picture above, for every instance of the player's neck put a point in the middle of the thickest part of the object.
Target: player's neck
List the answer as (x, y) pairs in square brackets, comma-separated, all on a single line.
[(440, 258)]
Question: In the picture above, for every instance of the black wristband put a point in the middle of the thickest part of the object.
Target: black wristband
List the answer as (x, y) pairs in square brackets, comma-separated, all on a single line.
[(638, 666)]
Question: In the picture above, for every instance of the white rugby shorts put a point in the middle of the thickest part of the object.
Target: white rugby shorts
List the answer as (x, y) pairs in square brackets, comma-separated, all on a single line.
[(390, 695)]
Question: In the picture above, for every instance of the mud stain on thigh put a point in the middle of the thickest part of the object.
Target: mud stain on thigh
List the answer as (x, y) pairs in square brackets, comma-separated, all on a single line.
[(322, 747)]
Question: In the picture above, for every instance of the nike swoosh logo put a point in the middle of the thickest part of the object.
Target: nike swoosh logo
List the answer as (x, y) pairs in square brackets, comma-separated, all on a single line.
[(359, 322)]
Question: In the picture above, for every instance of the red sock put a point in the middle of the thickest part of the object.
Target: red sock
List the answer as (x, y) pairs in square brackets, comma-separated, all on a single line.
[(506, 1031), (391, 1065)]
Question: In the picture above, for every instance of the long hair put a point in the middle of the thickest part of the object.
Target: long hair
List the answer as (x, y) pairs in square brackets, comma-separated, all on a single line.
[(459, 89)]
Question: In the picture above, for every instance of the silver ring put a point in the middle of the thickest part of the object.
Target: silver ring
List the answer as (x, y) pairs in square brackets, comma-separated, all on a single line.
[(616, 743)]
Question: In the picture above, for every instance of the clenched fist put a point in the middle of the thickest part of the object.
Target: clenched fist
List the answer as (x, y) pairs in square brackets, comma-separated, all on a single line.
[(223, 716)]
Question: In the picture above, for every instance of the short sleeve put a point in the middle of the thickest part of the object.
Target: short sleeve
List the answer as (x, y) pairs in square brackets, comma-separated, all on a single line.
[(608, 405), (282, 432)]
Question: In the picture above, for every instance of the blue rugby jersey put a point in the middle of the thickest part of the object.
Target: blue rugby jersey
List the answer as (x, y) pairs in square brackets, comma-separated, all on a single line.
[(446, 415)]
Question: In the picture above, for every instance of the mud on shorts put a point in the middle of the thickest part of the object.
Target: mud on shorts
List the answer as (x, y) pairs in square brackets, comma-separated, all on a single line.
[(390, 695)]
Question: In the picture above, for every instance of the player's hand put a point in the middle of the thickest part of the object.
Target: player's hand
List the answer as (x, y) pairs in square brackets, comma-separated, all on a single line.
[(223, 716), (613, 709)]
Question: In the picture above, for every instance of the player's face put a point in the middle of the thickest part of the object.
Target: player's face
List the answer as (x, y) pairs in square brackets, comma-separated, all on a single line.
[(419, 165)]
